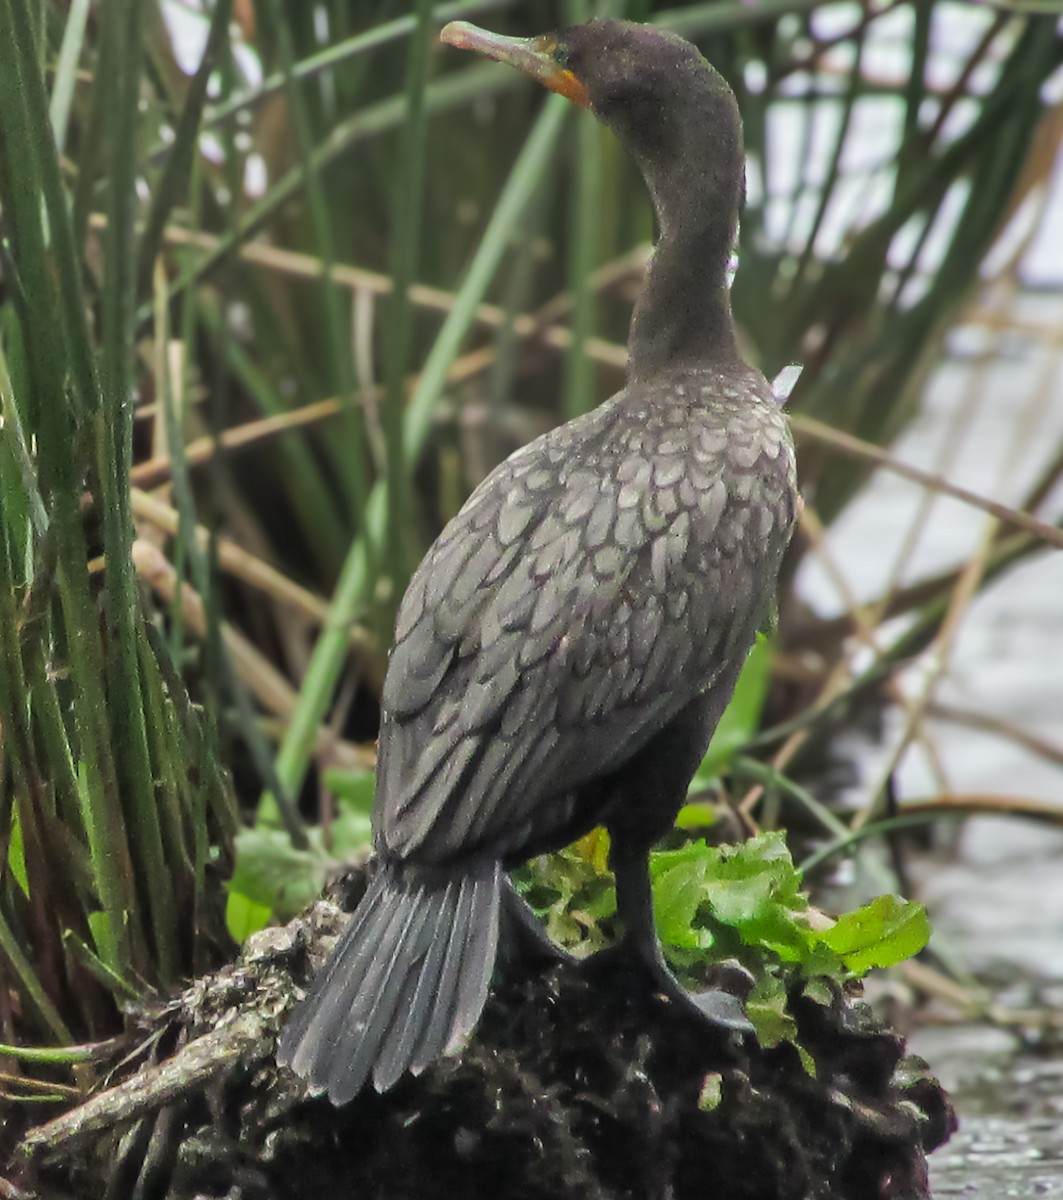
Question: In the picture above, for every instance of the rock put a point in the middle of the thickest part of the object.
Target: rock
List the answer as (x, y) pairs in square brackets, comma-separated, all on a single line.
[(569, 1089)]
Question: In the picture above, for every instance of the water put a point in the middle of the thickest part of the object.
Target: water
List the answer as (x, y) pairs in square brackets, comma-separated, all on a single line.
[(991, 425), (1011, 1139), (991, 419), (999, 905), (996, 895)]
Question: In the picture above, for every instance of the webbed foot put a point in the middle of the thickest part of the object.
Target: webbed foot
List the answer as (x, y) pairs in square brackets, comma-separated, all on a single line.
[(715, 1006), (718, 1006)]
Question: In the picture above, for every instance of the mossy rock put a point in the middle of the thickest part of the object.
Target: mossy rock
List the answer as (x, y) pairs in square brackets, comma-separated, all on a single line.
[(575, 1085)]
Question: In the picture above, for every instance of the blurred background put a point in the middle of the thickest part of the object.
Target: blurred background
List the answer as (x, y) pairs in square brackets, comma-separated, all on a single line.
[(280, 283)]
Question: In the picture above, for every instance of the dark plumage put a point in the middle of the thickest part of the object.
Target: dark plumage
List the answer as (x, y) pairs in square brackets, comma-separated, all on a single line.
[(567, 646)]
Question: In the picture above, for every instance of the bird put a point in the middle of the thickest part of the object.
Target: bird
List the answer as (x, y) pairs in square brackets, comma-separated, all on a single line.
[(565, 649)]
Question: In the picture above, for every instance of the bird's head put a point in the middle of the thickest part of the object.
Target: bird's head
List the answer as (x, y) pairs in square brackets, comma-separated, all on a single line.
[(679, 120), (639, 80)]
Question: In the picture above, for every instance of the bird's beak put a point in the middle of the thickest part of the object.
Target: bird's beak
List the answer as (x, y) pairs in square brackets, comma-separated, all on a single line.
[(533, 56)]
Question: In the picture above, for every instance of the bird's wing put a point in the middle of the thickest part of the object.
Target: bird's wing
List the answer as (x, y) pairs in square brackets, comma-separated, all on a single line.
[(561, 620)]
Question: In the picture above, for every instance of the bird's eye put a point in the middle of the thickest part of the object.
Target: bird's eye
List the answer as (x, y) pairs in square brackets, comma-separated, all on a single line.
[(563, 57)]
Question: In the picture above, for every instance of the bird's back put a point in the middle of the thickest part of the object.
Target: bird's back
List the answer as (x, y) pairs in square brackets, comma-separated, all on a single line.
[(592, 585)]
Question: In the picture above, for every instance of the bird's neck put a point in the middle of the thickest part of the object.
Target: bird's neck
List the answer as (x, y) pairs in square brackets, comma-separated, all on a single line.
[(683, 316)]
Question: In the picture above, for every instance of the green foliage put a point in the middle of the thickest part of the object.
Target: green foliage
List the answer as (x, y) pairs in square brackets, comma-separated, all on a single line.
[(881, 934), (711, 1094), (572, 891), (274, 876), (274, 880), (754, 890), (710, 903), (745, 902), (113, 798)]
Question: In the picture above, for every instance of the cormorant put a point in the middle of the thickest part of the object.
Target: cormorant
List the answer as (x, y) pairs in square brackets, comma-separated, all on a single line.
[(566, 647)]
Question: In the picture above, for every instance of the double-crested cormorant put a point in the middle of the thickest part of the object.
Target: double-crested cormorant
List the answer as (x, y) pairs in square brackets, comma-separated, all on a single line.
[(567, 646)]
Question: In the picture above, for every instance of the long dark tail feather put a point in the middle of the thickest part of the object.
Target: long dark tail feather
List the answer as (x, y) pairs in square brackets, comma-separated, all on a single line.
[(406, 983)]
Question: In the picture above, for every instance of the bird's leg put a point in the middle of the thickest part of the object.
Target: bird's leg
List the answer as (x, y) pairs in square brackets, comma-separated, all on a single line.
[(634, 900), (647, 793), (524, 939)]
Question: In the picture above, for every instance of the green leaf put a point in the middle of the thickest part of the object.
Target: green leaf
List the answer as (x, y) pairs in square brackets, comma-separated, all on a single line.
[(272, 873), (819, 991), (766, 1008), (823, 963), (78, 951), (711, 1093), (354, 789), (16, 854), (756, 889), (807, 1061), (352, 831), (275, 879), (243, 916), (102, 935), (352, 834), (677, 895), (696, 815), (52, 1055), (571, 894), (881, 934), (753, 888)]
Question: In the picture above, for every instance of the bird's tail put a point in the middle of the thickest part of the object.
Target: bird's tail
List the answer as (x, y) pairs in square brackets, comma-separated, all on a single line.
[(405, 984)]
